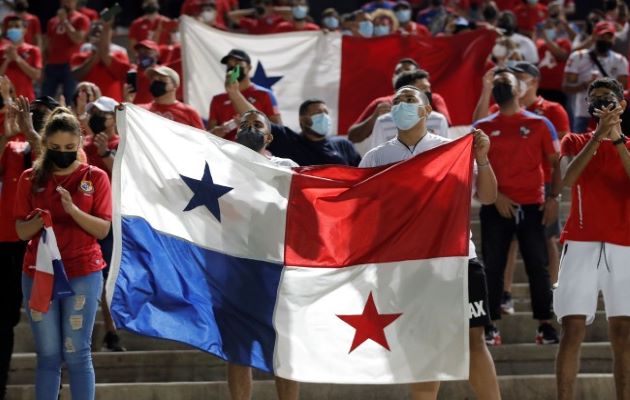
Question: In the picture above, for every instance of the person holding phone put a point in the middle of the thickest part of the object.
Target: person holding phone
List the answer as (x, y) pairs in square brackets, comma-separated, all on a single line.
[(101, 62), (78, 198)]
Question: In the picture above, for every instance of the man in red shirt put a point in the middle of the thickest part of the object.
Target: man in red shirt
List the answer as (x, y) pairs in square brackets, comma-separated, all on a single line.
[(403, 12), (596, 239), (152, 25), (102, 63), (101, 142), (33, 34), (521, 144), (261, 19), (553, 52), (21, 62), (148, 57), (223, 115), (163, 88), (529, 15), (211, 12), (66, 32), (362, 127), (298, 23)]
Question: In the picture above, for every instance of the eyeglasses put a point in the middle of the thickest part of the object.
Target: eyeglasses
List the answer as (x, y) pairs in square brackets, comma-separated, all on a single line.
[(594, 99)]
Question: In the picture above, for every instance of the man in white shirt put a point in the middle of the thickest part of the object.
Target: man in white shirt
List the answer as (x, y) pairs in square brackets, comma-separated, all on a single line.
[(582, 68), (524, 45), (409, 113)]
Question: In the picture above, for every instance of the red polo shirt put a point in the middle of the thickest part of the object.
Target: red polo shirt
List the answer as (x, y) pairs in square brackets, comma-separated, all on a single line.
[(33, 27), (145, 28), (178, 112), (60, 47), (222, 110), (600, 198), (91, 192), (143, 95), (527, 17), (109, 79), (520, 146), (288, 26), (13, 162), (91, 152), (23, 83), (438, 102), (255, 26)]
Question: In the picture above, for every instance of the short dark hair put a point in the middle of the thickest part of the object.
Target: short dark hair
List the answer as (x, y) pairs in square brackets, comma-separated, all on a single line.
[(607, 83), (12, 18), (262, 114), (306, 104), (423, 96), (409, 77), (408, 60)]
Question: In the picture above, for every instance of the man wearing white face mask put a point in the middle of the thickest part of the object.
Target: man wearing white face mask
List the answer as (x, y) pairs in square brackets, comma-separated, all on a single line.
[(402, 9), (298, 23), (409, 112)]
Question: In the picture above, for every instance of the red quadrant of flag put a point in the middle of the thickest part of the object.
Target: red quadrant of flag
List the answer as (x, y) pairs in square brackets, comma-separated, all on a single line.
[(418, 209)]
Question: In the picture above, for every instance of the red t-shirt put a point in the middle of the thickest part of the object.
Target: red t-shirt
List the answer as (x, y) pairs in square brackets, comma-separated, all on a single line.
[(551, 70), (505, 5), (23, 83), (33, 27), (527, 17), (109, 79), (60, 47), (13, 162), (288, 26), (90, 13), (438, 102), (600, 206), (520, 146), (178, 112), (193, 7), (222, 110), (91, 192), (145, 28), (255, 26), (414, 28), (91, 152), (143, 95), (172, 56)]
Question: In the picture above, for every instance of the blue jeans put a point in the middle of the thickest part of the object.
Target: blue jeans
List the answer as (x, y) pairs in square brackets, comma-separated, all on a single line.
[(64, 334), (55, 75)]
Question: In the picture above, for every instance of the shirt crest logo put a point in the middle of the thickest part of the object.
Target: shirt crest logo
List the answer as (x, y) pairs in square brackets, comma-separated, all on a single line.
[(495, 133), (86, 187), (524, 131)]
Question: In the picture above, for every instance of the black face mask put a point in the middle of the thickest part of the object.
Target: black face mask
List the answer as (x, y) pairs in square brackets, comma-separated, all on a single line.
[(252, 138), (20, 7), (502, 93), (97, 123), (38, 120), (61, 159), (157, 88), (489, 13), (150, 9), (603, 46), (1, 102), (600, 104)]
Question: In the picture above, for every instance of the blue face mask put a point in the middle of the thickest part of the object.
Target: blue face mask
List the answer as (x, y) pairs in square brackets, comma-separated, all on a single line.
[(14, 34), (381, 30), (403, 16), (551, 34), (405, 115), (299, 12), (366, 28), (322, 125), (331, 22)]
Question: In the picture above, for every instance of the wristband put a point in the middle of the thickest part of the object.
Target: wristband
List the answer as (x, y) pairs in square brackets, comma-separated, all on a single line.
[(107, 154), (621, 140)]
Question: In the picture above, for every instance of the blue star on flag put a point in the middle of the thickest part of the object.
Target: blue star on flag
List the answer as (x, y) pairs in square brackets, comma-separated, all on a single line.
[(205, 193), (260, 77)]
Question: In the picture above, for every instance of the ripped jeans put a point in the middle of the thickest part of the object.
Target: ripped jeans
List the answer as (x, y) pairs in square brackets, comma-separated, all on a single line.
[(64, 334)]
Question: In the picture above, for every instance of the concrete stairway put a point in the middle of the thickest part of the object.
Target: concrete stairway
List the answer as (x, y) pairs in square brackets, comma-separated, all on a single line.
[(156, 369)]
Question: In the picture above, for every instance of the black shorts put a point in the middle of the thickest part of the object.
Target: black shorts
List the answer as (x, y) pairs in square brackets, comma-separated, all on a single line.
[(478, 310), (107, 246)]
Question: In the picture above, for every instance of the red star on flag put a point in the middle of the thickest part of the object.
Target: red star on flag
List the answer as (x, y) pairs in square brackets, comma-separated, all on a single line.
[(369, 325)]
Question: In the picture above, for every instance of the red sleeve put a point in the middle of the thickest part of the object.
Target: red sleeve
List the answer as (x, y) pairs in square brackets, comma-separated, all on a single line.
[(312, 27), (440, 106), (246, 23), (493, 108), (194, 118), (368, 111), (284, 27), (23, 197), (560, 119), (266, 106), (82, 23), (102, 204), (134, 30), (569, 145), (77, 59), (213, 113), (547, 141), (119, 66), (37, 58)]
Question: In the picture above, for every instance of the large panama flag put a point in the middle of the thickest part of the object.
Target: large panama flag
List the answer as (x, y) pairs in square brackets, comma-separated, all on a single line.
[(346, 72), (323, 274)]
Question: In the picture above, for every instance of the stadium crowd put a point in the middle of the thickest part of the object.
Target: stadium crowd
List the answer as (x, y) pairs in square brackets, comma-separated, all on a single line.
[(557, 76)]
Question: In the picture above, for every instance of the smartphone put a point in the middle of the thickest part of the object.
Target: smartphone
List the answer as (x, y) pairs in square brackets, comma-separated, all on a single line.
[(230, 125), (234, 73), (132, 79), (109, 14)]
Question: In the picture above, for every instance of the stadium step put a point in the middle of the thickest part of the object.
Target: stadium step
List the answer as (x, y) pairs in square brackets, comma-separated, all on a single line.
[(532, 387), (197, 366), (522, 302)]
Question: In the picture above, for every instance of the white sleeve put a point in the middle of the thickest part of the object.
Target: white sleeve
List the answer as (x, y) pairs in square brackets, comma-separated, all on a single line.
[(443, 129), (623, 66), (368, 160), (572, 65)]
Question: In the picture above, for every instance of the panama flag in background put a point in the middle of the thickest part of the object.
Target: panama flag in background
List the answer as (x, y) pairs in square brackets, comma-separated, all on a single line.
[(346, 72), (322, 274)]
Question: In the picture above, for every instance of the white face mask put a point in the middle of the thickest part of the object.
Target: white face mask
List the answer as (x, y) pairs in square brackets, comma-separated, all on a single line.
[(208, 16), (522, 88), (499, 51)]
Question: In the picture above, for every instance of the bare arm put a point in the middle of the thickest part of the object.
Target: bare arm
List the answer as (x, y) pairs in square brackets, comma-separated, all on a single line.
[(30, 71), (95, 226), (85, 68), (486, 189), (75, 35), (483, 104), (276, 119), (361, 131), (26, 229), (570, 84), (105, 43)]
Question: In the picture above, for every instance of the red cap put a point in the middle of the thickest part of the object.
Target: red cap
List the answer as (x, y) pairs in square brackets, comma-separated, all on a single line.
[(604, 27), (148, 44)]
